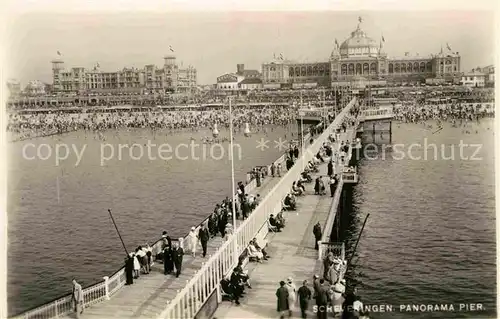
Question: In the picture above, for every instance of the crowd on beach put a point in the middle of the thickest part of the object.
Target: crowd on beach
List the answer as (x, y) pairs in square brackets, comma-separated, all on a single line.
[(451, 106), (33, 125)]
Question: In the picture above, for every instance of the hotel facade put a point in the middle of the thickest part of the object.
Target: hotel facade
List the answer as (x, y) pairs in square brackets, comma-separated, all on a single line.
[(150, 79), (360, 59)]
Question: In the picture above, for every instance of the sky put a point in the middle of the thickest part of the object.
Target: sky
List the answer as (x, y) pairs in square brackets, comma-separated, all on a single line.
[(214, 42)]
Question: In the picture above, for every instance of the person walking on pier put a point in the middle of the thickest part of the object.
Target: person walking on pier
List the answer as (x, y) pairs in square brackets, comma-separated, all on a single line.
[(317, 235), (193, 241), (292, 294), (77, 298), (330, 168), (304, 296), (177, 255), (322, 300), (168, 264), (204, 236), (282, 300), (333, 185)]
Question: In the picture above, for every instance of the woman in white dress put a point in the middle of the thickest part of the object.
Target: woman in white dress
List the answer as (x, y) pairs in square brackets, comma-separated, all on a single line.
[(228, 230), (137, 265), (192, 240), (292, 294)]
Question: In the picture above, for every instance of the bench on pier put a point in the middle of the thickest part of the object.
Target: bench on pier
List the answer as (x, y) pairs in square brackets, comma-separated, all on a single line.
[(244, 259)]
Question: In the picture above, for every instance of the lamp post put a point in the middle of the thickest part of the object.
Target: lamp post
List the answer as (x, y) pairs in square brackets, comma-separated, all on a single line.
[(233, 191), (301, 114)]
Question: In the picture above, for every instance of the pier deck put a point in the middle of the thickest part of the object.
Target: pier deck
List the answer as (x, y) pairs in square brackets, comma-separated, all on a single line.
[(149, 294), (292, 255)]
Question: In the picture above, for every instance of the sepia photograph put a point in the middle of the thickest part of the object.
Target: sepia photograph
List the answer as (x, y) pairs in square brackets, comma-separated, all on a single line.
[(243, 162)]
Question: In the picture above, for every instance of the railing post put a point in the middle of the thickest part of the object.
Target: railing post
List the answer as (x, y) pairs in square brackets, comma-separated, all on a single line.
[(106, 286), (320, 250), (57, 310)]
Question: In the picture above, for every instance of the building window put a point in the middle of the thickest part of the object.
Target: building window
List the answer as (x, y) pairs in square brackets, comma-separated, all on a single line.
[(309, 71), (422, 67), (415, 67), (396, 68), (366, 68), (410, 67), (303, 71), (429, 66), (351, 69), (344, 69), (358, 68), (373, 68), (321, 71), (315, 71), (391, 68), (403, 67)]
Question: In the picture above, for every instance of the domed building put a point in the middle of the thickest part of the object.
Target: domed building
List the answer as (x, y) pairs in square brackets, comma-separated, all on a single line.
[(361, 58), (359, 44)]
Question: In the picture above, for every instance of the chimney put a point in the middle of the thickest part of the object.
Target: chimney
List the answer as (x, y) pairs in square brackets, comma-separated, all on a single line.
[(240, 68)]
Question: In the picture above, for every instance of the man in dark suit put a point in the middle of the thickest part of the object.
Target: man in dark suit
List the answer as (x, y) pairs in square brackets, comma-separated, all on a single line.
[(177, 255), (317, 235), (204, 236), (322, 299), (236, 285), (330, 168), (304, 297)]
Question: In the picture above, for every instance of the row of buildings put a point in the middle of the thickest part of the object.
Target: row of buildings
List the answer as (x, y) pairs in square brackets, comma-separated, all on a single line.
[(169, 78), (79, 80), (358, 61)]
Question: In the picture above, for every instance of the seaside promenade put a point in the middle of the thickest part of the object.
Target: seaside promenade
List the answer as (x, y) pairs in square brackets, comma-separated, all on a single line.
[(292, 255), (149, 294)]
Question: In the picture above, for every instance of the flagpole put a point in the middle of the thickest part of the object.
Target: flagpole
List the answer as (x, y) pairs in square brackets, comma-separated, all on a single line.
[(233, 202), (112, 219)]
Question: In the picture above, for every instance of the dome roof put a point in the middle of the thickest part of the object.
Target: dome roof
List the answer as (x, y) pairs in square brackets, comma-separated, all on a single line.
[(359, 45), (358, 39)]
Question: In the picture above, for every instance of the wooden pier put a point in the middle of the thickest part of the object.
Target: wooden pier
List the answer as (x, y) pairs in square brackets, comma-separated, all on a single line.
[(149, 294), (292, 255)]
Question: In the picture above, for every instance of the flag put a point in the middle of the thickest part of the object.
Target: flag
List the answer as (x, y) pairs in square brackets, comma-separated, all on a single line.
[(360, 19), (274, 55), (336, 43), (448, 46), (383, 40), (97, 65), (171, 50), (58, 53), (281, 56)]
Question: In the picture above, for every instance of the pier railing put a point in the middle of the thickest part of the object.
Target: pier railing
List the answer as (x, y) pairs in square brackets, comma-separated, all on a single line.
[(335, 204), (205, 281), (103, 290)]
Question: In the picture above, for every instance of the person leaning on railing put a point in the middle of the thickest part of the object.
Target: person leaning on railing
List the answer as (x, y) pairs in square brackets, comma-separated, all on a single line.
[(77, 298)]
